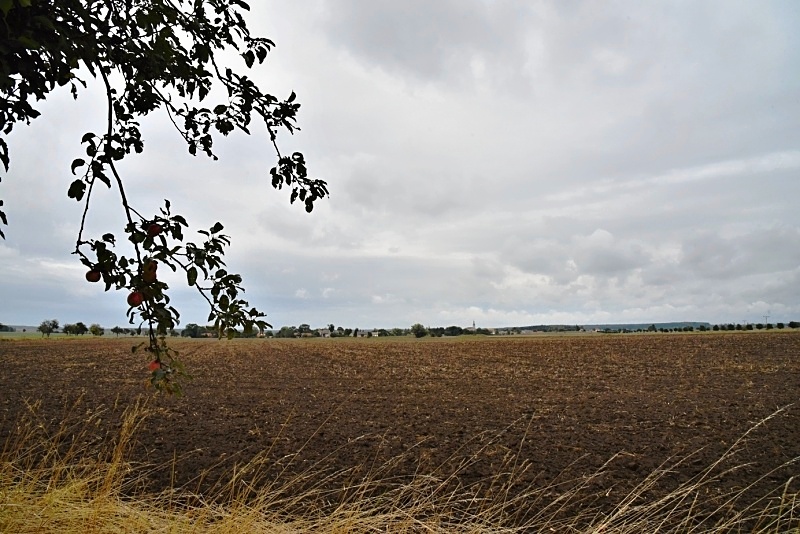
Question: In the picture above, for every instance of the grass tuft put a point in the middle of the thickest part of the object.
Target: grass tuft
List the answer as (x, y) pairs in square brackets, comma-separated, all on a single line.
[(73, 480)]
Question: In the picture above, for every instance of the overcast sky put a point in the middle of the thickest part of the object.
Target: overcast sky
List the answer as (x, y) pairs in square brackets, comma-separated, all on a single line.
[(502, 162)]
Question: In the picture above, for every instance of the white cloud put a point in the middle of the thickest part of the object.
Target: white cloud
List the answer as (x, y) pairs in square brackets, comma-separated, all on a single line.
[(302, 293)]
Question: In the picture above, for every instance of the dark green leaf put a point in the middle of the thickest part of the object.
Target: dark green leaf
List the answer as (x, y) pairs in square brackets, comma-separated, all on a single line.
[(76, 190), (77, 163), (249, 58), (4, 154)]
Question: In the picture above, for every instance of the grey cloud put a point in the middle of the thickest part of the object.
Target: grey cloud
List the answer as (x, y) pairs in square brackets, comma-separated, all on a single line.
[(766, 251), (601, 254), (598, 254), (432, 41)]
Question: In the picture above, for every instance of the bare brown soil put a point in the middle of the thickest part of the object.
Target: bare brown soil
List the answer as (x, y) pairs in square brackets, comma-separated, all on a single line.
[(549, 409)]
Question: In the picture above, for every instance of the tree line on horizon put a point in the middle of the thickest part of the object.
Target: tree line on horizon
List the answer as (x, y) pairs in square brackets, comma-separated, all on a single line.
[(193, 330)]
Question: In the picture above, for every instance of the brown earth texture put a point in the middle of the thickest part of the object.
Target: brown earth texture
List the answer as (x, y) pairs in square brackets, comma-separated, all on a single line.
[(524, 419)]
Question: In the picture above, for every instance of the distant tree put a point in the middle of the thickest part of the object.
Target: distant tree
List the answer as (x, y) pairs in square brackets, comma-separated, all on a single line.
[(768, 326), (759, 326), (191, 330), (453, 331), (304, 329), (651, 328), (355, 332), (348, 332), (483, 331), (748, 327), (331, 328), (80, 328), (715, 328), (69, 329), (117, 331), (286, 332), (780, 326), (418, 330), (48, 327), (794, 324), (96, 330)]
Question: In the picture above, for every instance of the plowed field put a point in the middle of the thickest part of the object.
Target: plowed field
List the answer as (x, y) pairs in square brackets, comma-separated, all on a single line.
[(549, 410)]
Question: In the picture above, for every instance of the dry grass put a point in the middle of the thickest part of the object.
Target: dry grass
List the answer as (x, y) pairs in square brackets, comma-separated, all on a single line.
[(76, 481)]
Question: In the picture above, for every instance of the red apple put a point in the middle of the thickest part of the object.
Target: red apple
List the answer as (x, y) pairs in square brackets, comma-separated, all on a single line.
[(135, 299), (153, 229), (149, 271), (155, 364), (93, 276)]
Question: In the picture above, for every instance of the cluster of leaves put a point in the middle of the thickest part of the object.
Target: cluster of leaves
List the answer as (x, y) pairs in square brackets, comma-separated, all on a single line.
[(150, 55)]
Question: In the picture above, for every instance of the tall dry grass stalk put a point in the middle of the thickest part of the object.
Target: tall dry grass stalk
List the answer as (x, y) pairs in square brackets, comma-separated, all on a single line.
[(74, 480)]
